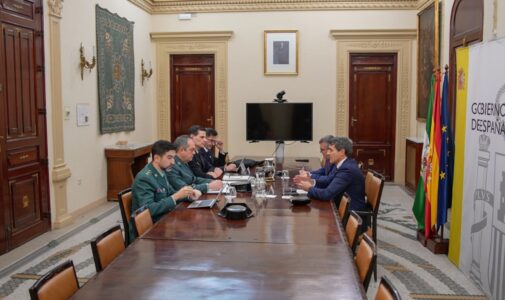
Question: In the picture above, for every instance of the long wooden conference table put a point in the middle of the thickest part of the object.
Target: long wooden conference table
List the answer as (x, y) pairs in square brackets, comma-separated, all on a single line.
[(282, 252)]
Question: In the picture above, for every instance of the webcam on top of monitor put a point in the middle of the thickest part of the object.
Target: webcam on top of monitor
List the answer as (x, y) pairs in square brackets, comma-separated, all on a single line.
[(279, 97)]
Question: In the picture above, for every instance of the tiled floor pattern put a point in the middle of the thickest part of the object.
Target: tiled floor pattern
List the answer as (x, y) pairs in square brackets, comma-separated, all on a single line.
[(414, 270)]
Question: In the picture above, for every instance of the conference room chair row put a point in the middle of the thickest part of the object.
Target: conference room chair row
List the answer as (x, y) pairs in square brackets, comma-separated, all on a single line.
[(61, 282), (366, 254)]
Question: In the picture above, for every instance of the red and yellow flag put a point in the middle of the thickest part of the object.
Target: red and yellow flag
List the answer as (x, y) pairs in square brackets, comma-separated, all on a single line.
[(432, 170)]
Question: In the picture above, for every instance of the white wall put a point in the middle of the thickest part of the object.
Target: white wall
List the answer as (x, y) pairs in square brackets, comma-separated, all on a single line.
[(84, 146), (316, 81)]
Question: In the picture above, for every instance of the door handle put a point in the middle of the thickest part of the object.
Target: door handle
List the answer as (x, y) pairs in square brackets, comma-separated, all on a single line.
[(353, 120), (211, 120)]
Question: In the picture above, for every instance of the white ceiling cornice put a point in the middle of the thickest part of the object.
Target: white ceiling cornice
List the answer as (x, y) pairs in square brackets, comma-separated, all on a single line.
[(194, 6)]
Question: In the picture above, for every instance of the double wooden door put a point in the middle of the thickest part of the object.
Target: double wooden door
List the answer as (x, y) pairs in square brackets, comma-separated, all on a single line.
[(191, 92), (372, 110), (24, 188)]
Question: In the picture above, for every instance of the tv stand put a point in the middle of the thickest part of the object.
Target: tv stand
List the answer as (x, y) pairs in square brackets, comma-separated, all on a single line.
[(279, 151)]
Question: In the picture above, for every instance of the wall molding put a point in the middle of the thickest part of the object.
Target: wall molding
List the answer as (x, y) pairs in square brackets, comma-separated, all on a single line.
[(60, 171), (55, 7), (210, 42), (373, 41), (179, 6)]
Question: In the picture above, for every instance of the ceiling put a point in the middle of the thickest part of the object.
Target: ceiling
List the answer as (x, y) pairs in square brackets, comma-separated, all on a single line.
[(193, 6)]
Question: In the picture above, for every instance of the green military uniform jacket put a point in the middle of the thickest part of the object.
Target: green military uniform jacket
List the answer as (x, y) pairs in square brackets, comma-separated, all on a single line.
[(181, 175), (151, 189)]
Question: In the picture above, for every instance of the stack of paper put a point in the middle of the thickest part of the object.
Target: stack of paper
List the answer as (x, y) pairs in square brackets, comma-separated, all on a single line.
[(235, 177)]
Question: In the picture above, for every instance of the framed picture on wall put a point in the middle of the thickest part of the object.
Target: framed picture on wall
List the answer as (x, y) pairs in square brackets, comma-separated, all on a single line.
[(281, 52), (427, 53)]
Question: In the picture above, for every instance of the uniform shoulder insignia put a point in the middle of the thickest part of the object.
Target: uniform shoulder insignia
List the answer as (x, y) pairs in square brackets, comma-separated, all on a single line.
[(148, 172)]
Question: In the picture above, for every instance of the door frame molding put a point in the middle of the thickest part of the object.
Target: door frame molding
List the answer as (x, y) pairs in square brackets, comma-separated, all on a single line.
[(378, 41), (198, 42)]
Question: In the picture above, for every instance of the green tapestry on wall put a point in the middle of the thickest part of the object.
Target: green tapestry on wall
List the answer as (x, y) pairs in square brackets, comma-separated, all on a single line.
[(116, 71)]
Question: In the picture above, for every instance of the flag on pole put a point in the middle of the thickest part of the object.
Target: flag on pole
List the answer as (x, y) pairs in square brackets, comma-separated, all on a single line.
[(432, 170), (420, 201), (446, 158)]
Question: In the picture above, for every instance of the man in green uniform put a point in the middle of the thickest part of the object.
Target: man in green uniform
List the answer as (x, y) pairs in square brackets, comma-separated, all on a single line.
[(151, 188), (181, 175)]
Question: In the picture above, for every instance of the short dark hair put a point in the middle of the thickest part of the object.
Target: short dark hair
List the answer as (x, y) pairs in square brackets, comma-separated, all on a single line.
[(342, 142), (326, 139), (210, 131), (193, 130), (181, 142), (161, 147)]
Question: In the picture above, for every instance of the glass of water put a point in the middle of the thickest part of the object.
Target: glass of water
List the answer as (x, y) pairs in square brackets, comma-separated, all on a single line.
[(232, 194), (285, 174), (260, 173), (260, 187), (253, 182)]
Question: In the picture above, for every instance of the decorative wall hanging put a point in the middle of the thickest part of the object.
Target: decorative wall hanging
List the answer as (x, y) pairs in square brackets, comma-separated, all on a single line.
[(427, 54), (281, 52), (116, 72)]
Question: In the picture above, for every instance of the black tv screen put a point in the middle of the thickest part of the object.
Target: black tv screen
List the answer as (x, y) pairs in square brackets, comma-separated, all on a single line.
[(279, 121)]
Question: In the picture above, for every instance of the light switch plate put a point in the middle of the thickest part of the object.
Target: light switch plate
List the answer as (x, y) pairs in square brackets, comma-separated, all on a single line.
[(66, 113)]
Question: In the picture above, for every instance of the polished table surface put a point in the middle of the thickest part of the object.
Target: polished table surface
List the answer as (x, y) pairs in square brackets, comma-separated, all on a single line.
[(282, 252)]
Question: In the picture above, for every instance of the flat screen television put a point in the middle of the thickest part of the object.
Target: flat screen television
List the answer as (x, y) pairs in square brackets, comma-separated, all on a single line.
[(279, 121)]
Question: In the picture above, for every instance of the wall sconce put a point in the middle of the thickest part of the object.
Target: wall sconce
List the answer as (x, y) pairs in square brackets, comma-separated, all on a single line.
[(84, 64), (143, 71)]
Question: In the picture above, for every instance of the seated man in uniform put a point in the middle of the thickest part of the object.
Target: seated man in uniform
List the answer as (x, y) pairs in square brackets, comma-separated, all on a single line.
[(181, 174), (347, 178), (213, 145), (325, 173), (198, 164), (151, 188)]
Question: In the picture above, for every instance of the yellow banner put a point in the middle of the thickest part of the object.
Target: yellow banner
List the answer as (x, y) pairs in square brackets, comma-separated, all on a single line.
[(462, 57)]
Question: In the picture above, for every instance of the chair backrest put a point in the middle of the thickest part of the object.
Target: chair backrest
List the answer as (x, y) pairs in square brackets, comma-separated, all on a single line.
[(386, 290), (107, 246), (59, 283), (142, 221), (352, 229), (343, 209), (125, 206), (368, 181), (365, 259), (374, 189)]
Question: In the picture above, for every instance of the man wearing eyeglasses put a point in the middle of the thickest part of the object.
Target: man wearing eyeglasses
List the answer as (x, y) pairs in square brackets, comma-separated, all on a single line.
[(214, 144)]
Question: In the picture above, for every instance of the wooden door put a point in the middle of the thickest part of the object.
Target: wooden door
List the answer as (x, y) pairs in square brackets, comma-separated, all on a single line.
[(23, 146), (192, 92), (372, 110)]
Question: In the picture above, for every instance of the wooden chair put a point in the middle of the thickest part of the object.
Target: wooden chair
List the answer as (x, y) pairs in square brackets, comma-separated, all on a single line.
[(142, 221), (352, 230), (125, 206), (107, 246), (59, 283), (365, 260), (374, 184), (343, 209), (387, 291)]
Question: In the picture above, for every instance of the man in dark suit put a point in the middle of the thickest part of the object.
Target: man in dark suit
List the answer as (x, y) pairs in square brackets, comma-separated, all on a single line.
[(347, 177), (324, 174), (212, 145), (151, 188), (199, 164)]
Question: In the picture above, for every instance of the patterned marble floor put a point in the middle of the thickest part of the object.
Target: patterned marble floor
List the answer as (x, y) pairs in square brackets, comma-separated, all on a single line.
[(415, 271)]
